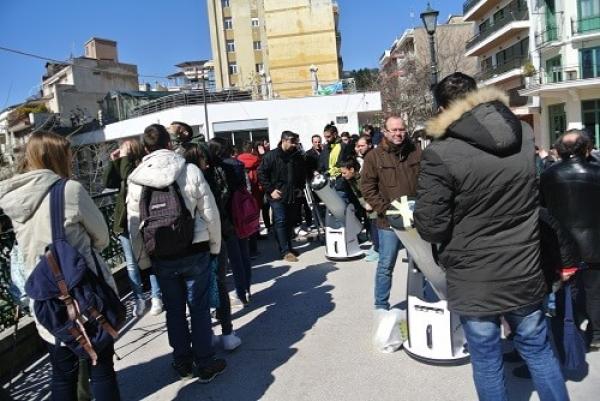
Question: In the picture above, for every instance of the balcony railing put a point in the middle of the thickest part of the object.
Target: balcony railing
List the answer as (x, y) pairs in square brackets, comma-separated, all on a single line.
[(469, 4), (510, 16), (585, 25), (502, 68), (565, 74), (549, 35), (113, 255)]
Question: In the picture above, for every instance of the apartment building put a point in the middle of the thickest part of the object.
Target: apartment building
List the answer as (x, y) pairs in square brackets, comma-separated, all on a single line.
[(566, 58), (275, 41), (406, 66), (73, 90), (412, 47), (502, 46)]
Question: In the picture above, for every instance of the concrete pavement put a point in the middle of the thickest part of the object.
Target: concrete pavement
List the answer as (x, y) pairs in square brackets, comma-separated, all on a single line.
[(307, 336)]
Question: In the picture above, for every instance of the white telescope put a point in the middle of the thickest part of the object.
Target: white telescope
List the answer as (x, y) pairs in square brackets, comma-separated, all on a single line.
[(341, 224), (435, 334)]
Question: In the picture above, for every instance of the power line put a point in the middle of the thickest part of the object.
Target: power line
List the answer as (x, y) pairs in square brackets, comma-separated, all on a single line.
[(36, 56)]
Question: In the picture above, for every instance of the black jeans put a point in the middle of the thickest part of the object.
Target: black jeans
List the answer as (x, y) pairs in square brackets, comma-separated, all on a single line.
[(591, 285), (284, 218), (224, 309), (65, 371), (266, 210)]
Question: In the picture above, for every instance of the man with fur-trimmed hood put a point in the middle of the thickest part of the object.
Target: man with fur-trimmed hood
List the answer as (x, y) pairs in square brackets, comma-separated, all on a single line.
[(477, 197)]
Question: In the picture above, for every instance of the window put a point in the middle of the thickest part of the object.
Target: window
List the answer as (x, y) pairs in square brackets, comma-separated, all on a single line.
[(591, 117), (554, 69), (558, 121), (259, 67), (255, 23), (230, 46), (590, 62), (257, 45), (233, 69), (498, 16), (484, 26), (225, 3), (228, 23)]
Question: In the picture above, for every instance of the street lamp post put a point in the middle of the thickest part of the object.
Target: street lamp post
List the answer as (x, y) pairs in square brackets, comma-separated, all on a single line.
[(204, 71), (429, 17)]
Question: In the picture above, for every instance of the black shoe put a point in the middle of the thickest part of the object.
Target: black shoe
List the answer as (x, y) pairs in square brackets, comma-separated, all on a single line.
[(208, 373), (512, 357), (294, 252), (184, 369), (522, 372)]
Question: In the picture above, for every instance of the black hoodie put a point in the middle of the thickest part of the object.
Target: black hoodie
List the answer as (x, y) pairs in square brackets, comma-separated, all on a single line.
[(477, 196)]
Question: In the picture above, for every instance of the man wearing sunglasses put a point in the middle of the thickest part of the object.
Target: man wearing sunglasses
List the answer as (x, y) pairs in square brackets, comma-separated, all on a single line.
[(282, 175)]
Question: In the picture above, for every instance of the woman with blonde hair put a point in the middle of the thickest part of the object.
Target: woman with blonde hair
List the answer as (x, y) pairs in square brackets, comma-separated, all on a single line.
[(122, 162), (25, 199)]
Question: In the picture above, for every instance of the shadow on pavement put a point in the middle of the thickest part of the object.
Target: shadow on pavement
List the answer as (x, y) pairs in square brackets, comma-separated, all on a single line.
[(298, 300)]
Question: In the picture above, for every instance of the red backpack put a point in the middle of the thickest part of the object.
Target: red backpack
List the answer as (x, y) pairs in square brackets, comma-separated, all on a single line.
[(245, 213)]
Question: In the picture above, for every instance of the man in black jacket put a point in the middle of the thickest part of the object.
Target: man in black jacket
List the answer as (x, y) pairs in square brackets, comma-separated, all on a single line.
[(571, 191), (477, 198), (282, 175)]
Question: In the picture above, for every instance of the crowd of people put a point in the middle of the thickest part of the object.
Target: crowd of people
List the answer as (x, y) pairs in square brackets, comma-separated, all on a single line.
[(510, 224)]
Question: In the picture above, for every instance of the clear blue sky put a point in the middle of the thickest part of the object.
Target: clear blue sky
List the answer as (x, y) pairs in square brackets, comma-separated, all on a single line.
[(156, 34)]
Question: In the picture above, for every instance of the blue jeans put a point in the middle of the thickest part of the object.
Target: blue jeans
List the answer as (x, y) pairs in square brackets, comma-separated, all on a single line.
[(531, 341), (133, 271), (65, 371), (284, 217), (239, 261), (187, 281), (389, 245)]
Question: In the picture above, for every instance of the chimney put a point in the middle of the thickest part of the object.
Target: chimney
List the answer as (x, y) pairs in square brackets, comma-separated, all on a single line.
[(101, 49)]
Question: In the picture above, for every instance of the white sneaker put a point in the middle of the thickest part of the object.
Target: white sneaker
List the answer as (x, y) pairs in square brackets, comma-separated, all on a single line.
[(231, 342), (299, 231), (139, 307), (157, 307)]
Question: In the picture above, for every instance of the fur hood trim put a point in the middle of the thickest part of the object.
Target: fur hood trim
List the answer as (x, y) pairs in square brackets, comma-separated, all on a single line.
[(437, 126)]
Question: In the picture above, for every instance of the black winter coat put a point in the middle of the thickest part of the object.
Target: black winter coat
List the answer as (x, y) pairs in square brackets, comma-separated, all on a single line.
[(477, 197), (285, 171), (571, 192)]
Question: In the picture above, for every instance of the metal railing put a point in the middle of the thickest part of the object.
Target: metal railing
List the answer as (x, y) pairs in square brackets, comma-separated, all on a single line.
[(585, 25), (549, 35), (565, 74), (502, 68), (511, 15), (113, 255), (189, 98)]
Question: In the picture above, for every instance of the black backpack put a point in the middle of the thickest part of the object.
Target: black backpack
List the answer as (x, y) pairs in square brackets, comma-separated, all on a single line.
[(166, 224), (72, 302)]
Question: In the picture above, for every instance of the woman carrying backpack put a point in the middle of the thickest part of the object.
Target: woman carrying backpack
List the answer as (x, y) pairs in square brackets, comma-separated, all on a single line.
[(25, 199), (122, 162), (220, 153)]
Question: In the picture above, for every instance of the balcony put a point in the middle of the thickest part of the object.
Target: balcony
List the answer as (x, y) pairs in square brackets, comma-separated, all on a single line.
[(498, 32), (476, 9), (586, 25), (547, 37), (560, 81), (499, 72)]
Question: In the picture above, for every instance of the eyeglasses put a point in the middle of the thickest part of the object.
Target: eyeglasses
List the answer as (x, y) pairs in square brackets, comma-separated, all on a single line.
[(398, 130)]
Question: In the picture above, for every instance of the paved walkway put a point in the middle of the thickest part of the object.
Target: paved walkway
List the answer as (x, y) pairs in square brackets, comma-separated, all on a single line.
[(306, 336)]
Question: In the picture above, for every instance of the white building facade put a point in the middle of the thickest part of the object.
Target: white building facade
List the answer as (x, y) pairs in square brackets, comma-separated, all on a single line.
[(566, 56)]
